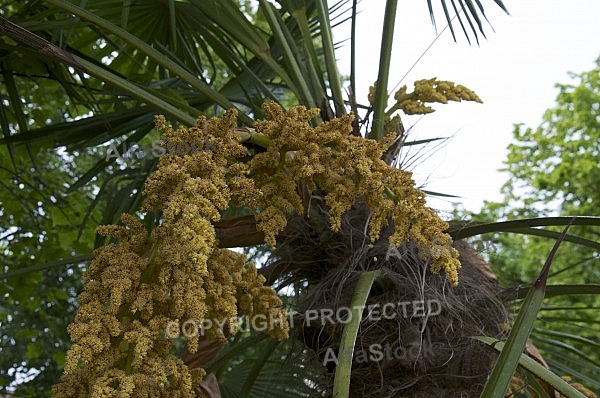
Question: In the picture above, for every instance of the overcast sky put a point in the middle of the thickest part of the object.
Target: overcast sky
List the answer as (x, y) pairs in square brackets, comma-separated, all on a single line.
[(514, 71)]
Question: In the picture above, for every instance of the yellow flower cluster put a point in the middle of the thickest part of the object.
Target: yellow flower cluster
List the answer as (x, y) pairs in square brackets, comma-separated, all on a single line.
[(346, 167), (118, 348), (136, 288), (518, 386), (580, 387), (431, 90)]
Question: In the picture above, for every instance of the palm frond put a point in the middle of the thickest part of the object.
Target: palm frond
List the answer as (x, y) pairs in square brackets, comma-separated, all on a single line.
[(468, 10)]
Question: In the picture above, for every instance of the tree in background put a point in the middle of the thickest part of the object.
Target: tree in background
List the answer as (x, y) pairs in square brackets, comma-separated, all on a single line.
[(554, 170)]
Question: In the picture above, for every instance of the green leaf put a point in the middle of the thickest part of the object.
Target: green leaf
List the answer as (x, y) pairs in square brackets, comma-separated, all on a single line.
[(58, 217), (507, 362), (385, 57), (150, 52), (33, 351), (59, 358), (465, 229), (534, 367), (343, 370)]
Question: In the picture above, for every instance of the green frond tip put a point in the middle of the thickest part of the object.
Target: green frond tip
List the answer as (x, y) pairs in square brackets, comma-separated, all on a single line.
[(472, 11), (429, 91)]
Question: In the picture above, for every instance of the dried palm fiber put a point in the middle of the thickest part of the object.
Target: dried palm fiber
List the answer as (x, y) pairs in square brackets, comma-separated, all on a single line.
[(445, 361)]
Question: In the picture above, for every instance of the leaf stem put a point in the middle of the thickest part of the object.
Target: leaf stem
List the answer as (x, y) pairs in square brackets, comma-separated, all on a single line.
[(341, 381), (385, 57)]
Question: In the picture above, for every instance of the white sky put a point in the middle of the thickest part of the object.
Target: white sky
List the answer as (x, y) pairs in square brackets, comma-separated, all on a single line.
[(514, 72)]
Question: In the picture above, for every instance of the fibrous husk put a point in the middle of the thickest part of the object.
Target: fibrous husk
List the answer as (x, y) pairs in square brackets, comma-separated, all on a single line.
[(444, 360)]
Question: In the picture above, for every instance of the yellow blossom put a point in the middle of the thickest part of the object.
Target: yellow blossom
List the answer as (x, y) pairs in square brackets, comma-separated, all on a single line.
[(137, 288)]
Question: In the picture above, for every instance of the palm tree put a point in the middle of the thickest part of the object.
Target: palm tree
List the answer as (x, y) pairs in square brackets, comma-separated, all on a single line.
[(114, 64)]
